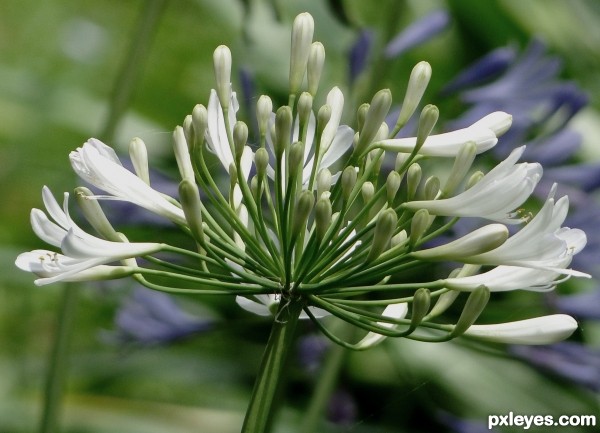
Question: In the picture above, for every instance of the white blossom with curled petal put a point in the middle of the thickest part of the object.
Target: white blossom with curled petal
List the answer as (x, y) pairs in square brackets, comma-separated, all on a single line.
[(98, 164), (542, 244), (494, 197), (539, 330), (336, 139), (83, 254), (484, 133)]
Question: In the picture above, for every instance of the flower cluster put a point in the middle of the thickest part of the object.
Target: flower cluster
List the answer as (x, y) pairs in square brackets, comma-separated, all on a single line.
[(310, 219)]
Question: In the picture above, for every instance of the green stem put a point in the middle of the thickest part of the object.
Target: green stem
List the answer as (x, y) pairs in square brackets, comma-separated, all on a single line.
[(57, 367), (259, 415)]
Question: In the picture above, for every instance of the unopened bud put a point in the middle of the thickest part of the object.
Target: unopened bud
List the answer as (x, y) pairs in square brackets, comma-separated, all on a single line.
[(222, 65), (323, 181), (264, 108), (322, 216), (380, 105), (302, 34), (323, 117), (139, 158), (474, 306), (361, 115), (384, 230), (302, 210), (283, 129), (475, 178), (240, 138), (349, 177), (420, 306), (296, 158), (462, 163), (367, 191), (413, 179), (431, 188), (188, 131), (254, 188), (418, 226), (261, 161), (398, 239), (417, 83), (199, 122), (392, 185), (316, 60), (304, 107), (94, 214), (182, 155), (428, 119), (192, 208), (401, 159)]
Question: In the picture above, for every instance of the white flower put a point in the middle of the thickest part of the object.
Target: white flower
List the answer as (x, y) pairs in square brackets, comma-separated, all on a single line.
[(494, 197), (484, 133), (98, 164), (83, 253), (392, 311), (542, 244), (266, 305), (539, 330), (336, 139)]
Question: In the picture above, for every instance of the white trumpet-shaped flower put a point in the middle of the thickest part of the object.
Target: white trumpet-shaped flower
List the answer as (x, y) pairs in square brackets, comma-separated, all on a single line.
[(336, 139), (539, 330), (98, 164), (542, 244), (83, 254), (484, 133), (494, 197)]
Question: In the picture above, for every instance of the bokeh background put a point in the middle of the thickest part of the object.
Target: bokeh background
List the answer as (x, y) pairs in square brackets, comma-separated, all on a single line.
[(113, 69)]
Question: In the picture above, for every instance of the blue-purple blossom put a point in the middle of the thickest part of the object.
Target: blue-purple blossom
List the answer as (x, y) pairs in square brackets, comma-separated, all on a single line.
[(359, 53), (417, 33)]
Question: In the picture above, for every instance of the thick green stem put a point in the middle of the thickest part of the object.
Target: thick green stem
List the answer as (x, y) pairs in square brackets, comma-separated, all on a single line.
[(259, 415), (57, 367)]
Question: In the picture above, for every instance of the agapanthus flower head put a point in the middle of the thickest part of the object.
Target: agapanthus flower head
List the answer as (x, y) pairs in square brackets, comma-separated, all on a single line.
[(310, 221)]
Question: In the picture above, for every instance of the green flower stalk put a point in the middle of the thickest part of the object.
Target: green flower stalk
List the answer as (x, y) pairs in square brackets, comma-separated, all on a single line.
[(322, 228)]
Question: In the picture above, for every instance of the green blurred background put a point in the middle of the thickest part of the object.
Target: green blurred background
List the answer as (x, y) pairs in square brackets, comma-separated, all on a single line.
[(60, 61)]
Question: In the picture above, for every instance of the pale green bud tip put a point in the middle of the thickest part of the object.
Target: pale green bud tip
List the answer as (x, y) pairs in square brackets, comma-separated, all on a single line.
[(428, 119), (349, 177), (304, 205), (305, 105), (323, 214), (240, 137), (367, 191), (361, 114), (323, 117), (264, 107), (222, 65), (139, 158), (431, 188), (398, 239), (392, 185), (419, 224), (384, 230), (417, 83), (182, 154), (462, 163), (296, 157), (420, 306), (199, 121), (380, 105), (302, 34), (478, 241), (94, 214), (474, 306), (188, 130), (283, 127), (413, 179), (475, 178), (316, 60), (323, 181), (261, 160), (192, 208)]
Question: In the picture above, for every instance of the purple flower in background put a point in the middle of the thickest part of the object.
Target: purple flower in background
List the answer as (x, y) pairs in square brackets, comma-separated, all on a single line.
[(572, 361), (417, 33), (312, 348), (460, 425), (149, 317), (359, 53), (584, 306)]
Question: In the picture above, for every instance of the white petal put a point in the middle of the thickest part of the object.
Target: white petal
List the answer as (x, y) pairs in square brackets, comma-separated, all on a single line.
[(393, 311)]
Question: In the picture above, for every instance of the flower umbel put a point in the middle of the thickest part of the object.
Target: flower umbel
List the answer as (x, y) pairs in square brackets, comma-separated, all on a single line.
[(311, 224)]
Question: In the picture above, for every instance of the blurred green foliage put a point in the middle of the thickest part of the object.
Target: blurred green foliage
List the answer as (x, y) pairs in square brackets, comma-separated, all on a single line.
[(59, 60)]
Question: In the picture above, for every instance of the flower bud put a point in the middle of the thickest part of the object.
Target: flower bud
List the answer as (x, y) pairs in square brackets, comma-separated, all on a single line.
[(401, 159), (398, 239), (323, 213), (316, 60), (392, 185), (474, 306), (283, 129), (413, 179), (222, 65), (240, 138), (323, 181), (304, 107), (302, 210), (349, 176), (264, 108), (367, 191), (256, 193), (188, 131), (94, 214), (431, 188), (182, 155), (475, 177), (233, 177), (199, 122), (384, 229), (420, 306), (261, 161), (380, 105), (323, 117), (428, 119), (477, 242), (361, 115), (462, 163), (444, 301), (139, 158), (296, 158), (418, 226), (417, 83), (192, 208), (302, 34)]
